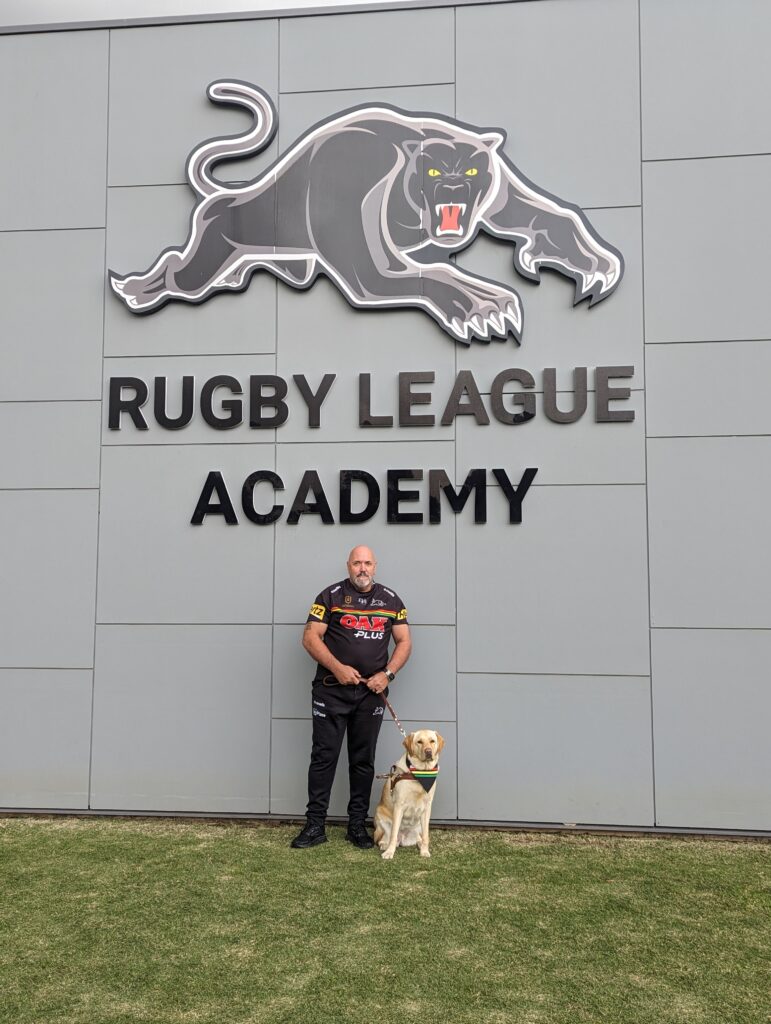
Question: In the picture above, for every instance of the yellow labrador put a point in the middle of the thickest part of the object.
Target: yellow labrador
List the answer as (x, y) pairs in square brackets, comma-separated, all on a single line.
[(404, 811)]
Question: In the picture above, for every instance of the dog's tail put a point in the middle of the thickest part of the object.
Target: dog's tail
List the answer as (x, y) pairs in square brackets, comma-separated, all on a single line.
[(226, 147)]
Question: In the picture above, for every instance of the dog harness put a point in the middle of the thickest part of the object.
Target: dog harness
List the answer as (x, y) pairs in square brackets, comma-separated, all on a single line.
[(425, 776)]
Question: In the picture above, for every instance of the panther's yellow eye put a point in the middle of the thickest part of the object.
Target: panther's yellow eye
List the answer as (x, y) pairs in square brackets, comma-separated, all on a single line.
[(472, 172), (433, 173)]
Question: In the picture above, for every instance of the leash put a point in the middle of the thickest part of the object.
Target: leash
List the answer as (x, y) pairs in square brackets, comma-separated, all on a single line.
[(387, 702), (399, 725)]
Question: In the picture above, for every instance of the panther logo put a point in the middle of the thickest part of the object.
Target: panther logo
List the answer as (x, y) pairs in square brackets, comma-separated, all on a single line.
[(377, 199)]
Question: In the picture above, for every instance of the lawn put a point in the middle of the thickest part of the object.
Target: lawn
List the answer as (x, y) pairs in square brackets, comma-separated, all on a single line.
[(130, 920)]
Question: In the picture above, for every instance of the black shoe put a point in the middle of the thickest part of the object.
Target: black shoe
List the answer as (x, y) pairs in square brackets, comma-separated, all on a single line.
[(359, 836), (311, 835)]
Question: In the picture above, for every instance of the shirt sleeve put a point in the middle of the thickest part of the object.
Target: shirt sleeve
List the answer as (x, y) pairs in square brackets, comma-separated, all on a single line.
[(401, 613), (319, 610)]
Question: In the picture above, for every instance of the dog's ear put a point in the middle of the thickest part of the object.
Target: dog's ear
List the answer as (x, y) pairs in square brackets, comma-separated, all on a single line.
[(440, 743), (407, 744)]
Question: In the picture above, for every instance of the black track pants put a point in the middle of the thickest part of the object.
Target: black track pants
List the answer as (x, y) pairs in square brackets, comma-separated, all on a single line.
[(335, 709)]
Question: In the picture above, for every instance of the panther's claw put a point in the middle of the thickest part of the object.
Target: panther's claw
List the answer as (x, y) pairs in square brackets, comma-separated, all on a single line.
[(479, 326)]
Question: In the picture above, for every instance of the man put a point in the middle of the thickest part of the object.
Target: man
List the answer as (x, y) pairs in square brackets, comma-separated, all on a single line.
[(348, 631)]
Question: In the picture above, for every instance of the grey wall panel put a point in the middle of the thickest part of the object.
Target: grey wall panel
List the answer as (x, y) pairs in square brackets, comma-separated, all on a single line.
[(55, 444), (48, 555), (555, 749), (142, 223), (158, 71), (290, 754), (708, 506), (569, 585), (548, 621), (45, 737), (557, 333), (182, 718), (403, 552), (300, 111), (53, 125), (52, 339), (698, 207), (350, 51), (203, 369), (425, 688), (561, 76), (320, 333), (711, 707), (329, 459), (705, 78), (610, 453), (292, 672), (154, 566), (710, 388)]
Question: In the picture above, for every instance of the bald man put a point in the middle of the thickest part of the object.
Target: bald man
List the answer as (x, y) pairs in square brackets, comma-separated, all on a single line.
[(348, 633)]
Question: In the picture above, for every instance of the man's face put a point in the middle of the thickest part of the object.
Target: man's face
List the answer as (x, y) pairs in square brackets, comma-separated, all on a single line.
[(361, 568)]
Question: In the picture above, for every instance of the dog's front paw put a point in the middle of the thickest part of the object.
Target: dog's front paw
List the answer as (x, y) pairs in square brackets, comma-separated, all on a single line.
[(388, 854), (425, 852)]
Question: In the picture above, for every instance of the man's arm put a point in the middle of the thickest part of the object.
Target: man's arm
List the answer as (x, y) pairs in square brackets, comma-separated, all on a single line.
[(403, 646), (401, 652), (313, 643)]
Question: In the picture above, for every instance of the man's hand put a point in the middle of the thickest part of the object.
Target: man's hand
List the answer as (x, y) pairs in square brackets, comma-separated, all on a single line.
[(378, 682), (346, 675)]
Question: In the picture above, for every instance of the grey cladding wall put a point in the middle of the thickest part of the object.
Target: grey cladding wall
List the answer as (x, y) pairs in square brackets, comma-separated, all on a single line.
[(604, 661)]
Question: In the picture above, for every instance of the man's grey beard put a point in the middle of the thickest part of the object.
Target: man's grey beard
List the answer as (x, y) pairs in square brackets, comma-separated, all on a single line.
[(365, 581)]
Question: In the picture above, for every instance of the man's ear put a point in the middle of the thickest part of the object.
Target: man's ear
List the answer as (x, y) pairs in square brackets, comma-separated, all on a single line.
[(407, 744)]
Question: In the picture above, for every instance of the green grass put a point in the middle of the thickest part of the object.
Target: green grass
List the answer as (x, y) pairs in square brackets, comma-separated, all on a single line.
[(183, 921)]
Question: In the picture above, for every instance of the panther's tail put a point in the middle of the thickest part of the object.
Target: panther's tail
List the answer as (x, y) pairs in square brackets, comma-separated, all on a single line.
[(203, 157)]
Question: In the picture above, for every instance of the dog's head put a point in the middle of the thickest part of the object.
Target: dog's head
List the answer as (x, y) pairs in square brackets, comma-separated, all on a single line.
[(424, 745)]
